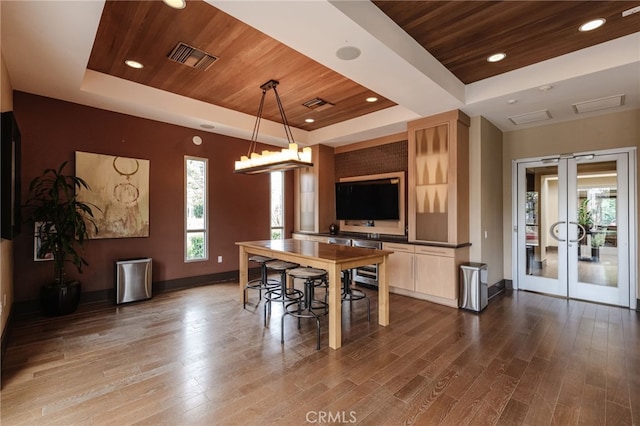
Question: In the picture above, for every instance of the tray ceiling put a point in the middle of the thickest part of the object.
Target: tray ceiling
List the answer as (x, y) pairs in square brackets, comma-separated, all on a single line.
[(417, 57)]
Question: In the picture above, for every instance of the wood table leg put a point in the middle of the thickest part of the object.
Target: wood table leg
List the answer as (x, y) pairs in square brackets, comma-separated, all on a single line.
[(243, 269), (335, 307), (383, 293)]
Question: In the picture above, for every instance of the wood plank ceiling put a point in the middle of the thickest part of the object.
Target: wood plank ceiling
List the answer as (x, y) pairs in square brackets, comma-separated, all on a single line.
[(460, 34), (147, 31)]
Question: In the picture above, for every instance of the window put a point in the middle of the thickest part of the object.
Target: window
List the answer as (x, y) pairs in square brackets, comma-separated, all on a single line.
[(196, 209), (277, 205)]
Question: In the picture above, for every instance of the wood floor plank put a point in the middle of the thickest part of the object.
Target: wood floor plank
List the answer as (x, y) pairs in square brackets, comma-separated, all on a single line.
[(195, 357), (471, 401), (571, 389), (529, 381), (618, 415), (566, 416), (593, 407), (540, 411), (513, 414)]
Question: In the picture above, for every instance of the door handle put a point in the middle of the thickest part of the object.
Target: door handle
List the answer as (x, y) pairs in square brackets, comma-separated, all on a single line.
[(552, 229), (581, 232)]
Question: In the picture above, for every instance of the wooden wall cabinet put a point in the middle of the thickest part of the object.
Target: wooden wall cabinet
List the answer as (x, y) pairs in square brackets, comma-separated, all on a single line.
[(314, 192), (439, 178), (426, 272)]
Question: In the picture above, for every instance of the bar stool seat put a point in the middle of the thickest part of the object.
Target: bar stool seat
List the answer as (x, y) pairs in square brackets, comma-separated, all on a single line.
[(280, 293), (308, 306), (262, 283)]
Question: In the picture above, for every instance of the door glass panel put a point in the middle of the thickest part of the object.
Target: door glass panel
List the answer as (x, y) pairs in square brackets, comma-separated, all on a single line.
[(597, 209), (542, 227)]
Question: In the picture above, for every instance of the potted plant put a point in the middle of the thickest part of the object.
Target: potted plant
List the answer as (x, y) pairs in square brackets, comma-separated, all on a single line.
[(585, 219), (597, 241), (61, 222)]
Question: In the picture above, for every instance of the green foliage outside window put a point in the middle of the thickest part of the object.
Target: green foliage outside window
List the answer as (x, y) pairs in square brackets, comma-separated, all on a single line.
[(198, 211), (195, 249)]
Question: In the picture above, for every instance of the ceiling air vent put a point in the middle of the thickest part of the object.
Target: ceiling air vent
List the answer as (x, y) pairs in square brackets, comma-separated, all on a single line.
[(192, 57), (530, 117), (318, 104), (598, 104)]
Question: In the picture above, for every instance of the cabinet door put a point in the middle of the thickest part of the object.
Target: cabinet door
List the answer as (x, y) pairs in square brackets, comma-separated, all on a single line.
[(439, 178), (400, 266), (306, 201), (432, 183), (436, 272)]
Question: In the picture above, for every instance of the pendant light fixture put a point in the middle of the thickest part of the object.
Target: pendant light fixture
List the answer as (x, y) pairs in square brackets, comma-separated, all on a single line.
[(268, 161)]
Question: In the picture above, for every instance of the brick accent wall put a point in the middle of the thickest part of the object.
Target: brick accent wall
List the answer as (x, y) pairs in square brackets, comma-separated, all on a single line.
[(387, 158)]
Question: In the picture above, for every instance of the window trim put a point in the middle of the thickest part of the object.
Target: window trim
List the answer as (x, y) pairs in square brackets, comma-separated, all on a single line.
[(206, 210)]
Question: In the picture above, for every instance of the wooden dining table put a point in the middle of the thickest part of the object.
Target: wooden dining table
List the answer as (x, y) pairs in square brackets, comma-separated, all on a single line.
[(332, 258)]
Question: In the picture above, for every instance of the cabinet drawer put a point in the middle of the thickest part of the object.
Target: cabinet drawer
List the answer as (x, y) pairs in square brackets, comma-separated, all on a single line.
[(405, 248), (318, 239), (435, 251)]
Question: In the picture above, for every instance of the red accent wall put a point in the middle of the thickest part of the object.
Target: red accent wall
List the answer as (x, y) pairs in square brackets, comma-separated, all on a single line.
[(52, 130)]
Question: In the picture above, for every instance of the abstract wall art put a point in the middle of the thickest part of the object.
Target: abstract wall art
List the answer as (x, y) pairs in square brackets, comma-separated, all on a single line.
[(120, 188)]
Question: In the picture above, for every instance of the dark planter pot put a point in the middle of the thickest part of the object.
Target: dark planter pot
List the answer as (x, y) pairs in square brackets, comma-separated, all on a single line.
[(595, 253), (60, 300)]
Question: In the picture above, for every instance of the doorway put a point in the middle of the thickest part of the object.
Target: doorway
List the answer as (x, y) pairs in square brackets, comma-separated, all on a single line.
[(573, 226)]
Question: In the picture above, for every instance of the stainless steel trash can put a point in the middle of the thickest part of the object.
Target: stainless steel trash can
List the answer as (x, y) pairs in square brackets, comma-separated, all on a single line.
[(473, 286), (133, 280)]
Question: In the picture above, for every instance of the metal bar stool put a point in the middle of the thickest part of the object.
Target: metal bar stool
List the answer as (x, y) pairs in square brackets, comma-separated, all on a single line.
[(351, 293), (281, 293), (262, 283), (308, 305)]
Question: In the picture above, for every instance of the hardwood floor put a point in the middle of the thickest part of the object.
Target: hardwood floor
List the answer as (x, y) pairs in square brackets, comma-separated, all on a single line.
[(195, 357)]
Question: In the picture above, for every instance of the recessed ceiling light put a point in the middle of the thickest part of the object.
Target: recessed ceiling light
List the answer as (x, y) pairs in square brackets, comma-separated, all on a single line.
[(592, 25), (348, 53), (207, 126), (372, 99), (134, 64), (497, 57), (512, 101), (176, 4), (545, 88), (309, 120)]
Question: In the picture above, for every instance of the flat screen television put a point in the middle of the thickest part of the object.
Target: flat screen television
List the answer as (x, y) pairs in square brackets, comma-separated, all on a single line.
[(368, 200)]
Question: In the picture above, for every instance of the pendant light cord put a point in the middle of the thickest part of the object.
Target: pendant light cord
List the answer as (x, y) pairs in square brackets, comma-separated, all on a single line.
[(256, 127)]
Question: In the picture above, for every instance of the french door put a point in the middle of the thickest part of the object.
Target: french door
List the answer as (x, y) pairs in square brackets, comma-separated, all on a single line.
[(573, 227)]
